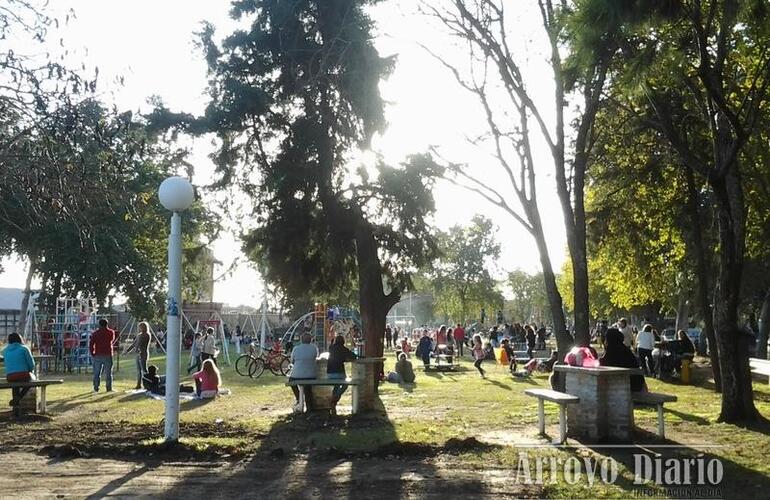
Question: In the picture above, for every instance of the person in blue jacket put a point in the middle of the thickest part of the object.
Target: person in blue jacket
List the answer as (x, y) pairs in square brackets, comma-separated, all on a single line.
[(19, 365)]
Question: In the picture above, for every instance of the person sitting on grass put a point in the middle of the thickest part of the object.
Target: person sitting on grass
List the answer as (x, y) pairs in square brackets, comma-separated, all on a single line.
[(509, 352), (156, 384), (617, 353), (19, 366), (208, 380), (404, 370), (335, 368)]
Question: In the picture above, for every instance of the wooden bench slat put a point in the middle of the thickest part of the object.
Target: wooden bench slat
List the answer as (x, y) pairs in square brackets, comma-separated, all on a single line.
[(652, 398), (553, 396), (36, 383), (324, 382)]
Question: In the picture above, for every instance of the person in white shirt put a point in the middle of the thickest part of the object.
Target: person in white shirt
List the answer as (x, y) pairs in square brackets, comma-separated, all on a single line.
[(628, 334), (304, 367), (645, 343), (209, 346)]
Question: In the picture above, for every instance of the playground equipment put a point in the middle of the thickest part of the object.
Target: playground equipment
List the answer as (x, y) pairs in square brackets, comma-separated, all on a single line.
[(324, 324), (203, 316), (127, 335), (66, 333)]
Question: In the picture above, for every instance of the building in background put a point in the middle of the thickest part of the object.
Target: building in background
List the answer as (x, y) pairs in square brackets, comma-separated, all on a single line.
[(10, 310)]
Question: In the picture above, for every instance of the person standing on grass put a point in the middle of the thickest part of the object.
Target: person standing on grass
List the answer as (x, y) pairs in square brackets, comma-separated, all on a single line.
[(645, 343), (424, 348), (142, 347), (19, 366), (531, 339), (100, 347), (388, 336), (459, 334), (195, 354), (209, 346), (478, 354)]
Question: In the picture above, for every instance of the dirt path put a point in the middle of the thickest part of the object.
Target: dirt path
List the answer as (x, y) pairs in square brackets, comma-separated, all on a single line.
[(256, 477)]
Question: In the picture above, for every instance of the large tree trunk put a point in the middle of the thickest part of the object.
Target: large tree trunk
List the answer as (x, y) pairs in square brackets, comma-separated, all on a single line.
[(733, 343), (764, 327), (26, 296), (564, 341), (373, 302), (702, 278)]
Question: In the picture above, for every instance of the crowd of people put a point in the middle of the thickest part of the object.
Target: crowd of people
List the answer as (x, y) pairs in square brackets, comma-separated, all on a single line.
[(654, 354)]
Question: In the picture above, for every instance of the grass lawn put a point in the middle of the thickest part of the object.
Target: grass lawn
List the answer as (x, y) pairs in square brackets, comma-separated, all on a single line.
[(456, 422)]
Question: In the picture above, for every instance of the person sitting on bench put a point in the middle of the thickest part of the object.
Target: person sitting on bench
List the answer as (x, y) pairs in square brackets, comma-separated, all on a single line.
[(335, 368), (19, 366), (616, 353), (304, 367)]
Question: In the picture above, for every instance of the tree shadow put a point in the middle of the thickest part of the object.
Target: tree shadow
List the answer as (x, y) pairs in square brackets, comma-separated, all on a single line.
[(191, 404), (689, 417), (317, 455), (118, 482), (525, 380), (498, 384)]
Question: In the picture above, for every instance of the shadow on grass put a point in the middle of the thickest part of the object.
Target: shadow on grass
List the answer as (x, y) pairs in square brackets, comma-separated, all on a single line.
[(118, 482), (498, 384), (641, 460), (192, 404), (407, 387), (317, 455), (696, 419)]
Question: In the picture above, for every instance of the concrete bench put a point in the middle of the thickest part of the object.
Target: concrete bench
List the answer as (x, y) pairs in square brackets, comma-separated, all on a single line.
[(760, 367), (560, 398), (329, 382), (42, 384), (657, 400)]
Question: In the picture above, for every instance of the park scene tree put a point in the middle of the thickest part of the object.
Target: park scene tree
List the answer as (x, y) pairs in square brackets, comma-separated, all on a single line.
[(368, 248)]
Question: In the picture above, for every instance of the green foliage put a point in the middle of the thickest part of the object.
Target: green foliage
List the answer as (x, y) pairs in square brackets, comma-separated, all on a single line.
[(294, 97), (528, 301), (78, 195), (462, 279)]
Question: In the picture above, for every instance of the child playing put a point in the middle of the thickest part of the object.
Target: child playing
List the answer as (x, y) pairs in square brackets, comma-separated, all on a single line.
[(478, 354)]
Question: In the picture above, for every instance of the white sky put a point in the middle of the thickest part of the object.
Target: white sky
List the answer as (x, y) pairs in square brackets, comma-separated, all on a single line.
[(150, 44)]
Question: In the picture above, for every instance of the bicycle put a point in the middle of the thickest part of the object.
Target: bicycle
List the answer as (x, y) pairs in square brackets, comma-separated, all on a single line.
[(249, 362), (275, 361)]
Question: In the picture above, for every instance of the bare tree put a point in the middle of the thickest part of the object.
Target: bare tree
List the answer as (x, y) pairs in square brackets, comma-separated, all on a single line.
[(515, 122)]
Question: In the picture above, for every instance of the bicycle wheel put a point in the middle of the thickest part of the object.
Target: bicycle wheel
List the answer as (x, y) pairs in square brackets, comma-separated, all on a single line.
[(242, 365), (283, 365), (256, 368)]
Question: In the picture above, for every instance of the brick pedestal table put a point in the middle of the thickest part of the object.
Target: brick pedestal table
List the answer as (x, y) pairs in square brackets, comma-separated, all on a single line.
[(322, 394), (605, 411), (366, 370)]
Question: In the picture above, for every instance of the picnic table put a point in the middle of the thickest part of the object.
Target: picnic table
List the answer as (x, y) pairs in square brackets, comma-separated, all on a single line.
[(606, 408)]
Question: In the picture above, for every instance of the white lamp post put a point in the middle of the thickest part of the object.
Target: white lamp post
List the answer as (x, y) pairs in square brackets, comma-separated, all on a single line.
[(176, 194)]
